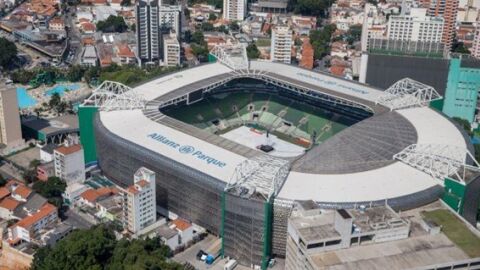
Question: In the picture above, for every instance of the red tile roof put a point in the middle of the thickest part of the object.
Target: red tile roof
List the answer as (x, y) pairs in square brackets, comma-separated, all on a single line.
[(124, 51), (23, 191), (337, 70), (9, 203), (307, 55), (66, 150), (46, 210), (92, 195), (4, 192), (181, 224)]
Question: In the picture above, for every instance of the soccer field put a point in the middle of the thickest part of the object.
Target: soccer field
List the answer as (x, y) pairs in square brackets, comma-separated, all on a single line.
[(253, 138)]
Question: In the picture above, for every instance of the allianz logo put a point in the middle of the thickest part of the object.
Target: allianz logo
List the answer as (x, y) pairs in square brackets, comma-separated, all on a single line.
[(187, 150)]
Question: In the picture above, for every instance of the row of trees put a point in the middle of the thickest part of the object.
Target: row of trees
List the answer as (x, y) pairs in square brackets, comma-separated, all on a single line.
[(8, 52), (97, 248), (112, 24)]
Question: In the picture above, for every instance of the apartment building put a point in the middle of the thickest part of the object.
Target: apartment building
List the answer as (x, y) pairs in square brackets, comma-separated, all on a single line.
[(148, 32), (139, 203), (448, 10), (171, 50), (10, 129), (170, 18), (281, 45), (234, 10), (69, 163), (415, 25), (31, 226)]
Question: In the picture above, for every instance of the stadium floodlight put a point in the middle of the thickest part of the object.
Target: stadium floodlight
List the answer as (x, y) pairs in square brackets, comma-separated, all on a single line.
[(440, 161), (262, 174), (407, 93), (233, 56), (110, 96)]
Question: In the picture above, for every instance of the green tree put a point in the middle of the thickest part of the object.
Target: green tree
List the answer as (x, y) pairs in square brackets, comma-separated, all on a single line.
[(252, 51), (234, 26), (320, 40), (212, 16), (112, 24), (207, 27), (75, 73), (97, 248), (310, 7), (125, 3), (198, 37), (354, 33), (22, 76), (8, 52)]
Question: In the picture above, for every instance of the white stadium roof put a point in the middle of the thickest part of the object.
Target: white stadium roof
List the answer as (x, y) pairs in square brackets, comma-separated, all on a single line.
[(393, 180)]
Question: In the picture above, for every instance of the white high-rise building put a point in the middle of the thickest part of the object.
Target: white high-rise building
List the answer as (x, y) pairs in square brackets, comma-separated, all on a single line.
[(170, 17), (281, 47), (148, 32), (69, 163), (415, 25), (234, 10), (139, 203), (476, 42), (171, 50)]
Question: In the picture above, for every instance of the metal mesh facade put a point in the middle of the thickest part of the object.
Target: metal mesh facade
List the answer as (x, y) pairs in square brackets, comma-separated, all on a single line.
[(180, 189), (244, 232), (281, 211)]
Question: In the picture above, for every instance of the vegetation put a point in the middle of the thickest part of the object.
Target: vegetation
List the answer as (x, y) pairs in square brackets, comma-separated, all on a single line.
[(57, 104), (131, 74), (215, 3), (125, 3), (310, 7), (199, 46), (459, 47), (97, 248), (112, 24), (8, 52), (212, 16), (320, 40), (52, 189), (252, 51), (456, 231), (354, 34)]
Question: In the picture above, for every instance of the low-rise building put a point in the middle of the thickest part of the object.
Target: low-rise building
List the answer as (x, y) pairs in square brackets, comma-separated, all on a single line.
[(312, 231), (45, 170), (89, 56), (29, 227), (69, 163), (72, 193), (56, 24), (184, 229), (90, 197)]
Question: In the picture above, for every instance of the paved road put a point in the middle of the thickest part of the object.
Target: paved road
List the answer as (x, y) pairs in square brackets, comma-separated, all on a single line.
[(76, 220)]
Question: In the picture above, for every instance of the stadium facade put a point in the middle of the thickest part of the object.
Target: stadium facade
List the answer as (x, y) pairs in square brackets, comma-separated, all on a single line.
[(245, 195)]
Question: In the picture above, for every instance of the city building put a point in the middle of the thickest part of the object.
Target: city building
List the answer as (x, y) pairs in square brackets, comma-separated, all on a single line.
[(448, 10), (56, 24), (170, 18), (89, 56), (69, 163), (171, 50), (148, 32), (234, 10), (45, 170), (475, 50), (73, 193), (10, 129), (415, 25), (281, 45), (139, 203), (30, 227), (184, 229), (312, 231)]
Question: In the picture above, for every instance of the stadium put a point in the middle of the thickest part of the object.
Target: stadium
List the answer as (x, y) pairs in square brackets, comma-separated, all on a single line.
[(235, 142)]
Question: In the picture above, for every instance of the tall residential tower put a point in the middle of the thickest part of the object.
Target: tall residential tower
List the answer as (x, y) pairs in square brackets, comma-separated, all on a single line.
[(281, 48), (148, 32)]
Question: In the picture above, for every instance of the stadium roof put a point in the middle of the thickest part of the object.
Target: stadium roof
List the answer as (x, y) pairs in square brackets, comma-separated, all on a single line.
[(356, 165)]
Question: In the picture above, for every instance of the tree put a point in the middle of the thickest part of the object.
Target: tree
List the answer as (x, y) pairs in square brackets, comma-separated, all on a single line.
[(234, 26), (8, 52), (112, 24), (97, 248), (459, 47), (354, 33), (198, 37), (207, 27), (252, 51), (320, 40), (75, 73), (212, 16), (133, 27), (55, 100), (125, 3), (310, 7)]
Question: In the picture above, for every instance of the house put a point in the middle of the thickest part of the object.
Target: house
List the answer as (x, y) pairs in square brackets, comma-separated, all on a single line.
[(109, 208), (72, 193), (46, 152), (169, 236), (56, 24), (30, 227), (87, 27), (307, 54), (124, 54), (45, 170), (8, 206), (184, 229), (90, 197)]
